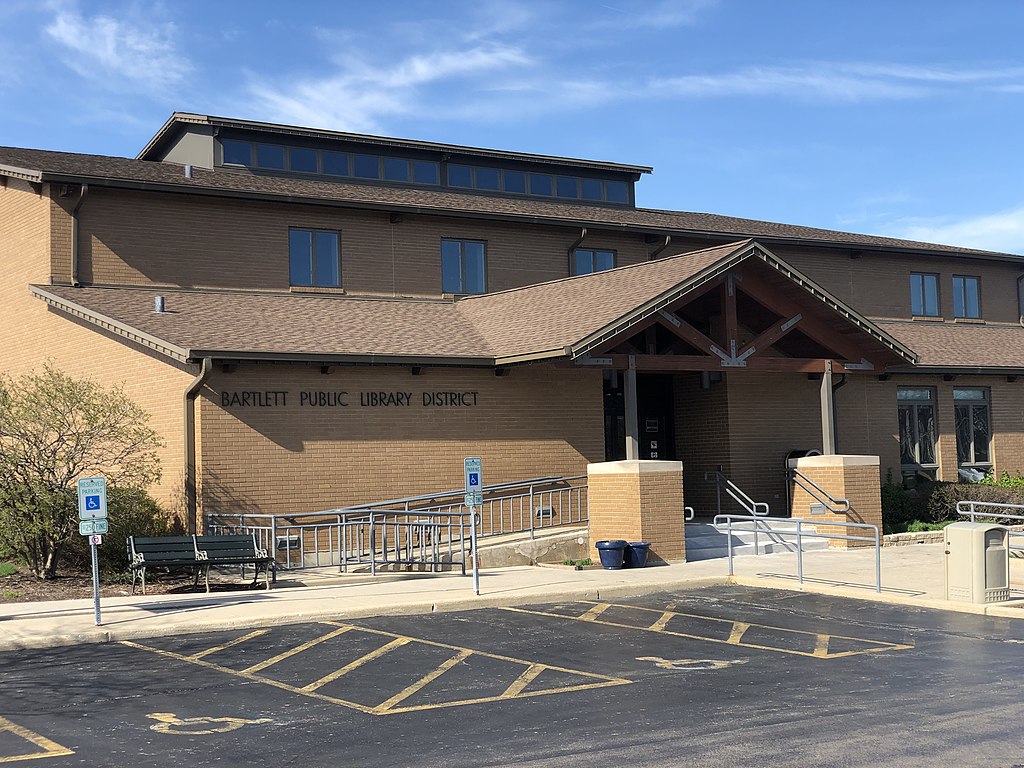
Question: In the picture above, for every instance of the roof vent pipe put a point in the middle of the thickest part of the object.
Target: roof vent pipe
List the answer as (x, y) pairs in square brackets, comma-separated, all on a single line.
[(158, 305), (188, 171)]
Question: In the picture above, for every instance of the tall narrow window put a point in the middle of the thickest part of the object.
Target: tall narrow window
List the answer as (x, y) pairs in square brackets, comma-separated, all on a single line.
[(587, 260), (966, 296), (924, 295), (973, 427), (463, 267), (314, 257), (916, 408)]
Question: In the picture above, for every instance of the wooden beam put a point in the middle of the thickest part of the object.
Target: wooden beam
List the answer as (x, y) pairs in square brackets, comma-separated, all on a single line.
[(815, 329), (770, 336), (670, 363), (729, 310), (687, 332)]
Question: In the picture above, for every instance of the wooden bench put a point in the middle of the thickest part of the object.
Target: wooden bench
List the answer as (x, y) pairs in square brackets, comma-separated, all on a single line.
[(197, 553)]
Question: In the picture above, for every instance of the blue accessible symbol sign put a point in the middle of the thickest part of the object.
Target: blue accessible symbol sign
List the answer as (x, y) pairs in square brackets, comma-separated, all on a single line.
[(474, 482), (92, 502)]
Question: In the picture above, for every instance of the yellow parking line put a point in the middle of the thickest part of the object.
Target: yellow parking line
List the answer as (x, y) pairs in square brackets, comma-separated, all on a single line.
[(662, 621), (225, 646), (298, 649), (736, 636), (736, 633), (397, 643), (50, 748), (249, 676), (529, 675), (422, 682), (821, 646), (594, 612)]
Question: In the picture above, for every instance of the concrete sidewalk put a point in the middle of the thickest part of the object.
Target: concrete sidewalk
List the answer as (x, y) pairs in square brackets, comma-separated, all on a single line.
[(910, 576)]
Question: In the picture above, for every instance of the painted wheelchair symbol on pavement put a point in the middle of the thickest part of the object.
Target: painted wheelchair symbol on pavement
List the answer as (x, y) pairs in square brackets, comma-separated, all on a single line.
[(688, 664), (170, 723)]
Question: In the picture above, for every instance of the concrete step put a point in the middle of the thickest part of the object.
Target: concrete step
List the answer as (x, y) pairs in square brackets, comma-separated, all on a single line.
[(703, 542)]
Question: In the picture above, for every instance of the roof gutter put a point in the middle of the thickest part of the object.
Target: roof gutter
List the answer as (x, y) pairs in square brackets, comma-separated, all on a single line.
[(82, 192), (189, 401)]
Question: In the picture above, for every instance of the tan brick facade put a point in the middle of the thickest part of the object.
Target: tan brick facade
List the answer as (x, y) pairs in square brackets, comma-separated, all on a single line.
[(301, 450), (855, 478), (34, 335), (638, 501)]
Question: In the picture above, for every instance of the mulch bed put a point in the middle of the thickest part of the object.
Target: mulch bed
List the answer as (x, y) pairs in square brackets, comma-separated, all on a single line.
[(71, 584)]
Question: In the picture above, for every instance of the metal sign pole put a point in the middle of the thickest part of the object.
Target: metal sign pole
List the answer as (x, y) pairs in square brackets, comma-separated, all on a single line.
[(95, 578), (472, 546)]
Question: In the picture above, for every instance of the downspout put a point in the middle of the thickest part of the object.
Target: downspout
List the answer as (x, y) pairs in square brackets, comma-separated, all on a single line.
[(654, 254), (191, 502), (572, 249), (82, 192)]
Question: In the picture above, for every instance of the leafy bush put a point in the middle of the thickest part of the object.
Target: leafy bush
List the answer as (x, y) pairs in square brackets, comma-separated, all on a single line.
[(131, 512), (918, 526), (1006, 480), (942, 503), (900, 506)]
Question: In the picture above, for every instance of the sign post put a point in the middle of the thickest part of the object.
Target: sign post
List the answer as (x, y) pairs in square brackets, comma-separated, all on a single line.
[(92, 522), (474, 499)]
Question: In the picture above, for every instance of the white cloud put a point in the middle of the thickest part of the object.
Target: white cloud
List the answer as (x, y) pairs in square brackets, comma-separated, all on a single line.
[(119, 53), (360, 94), (1003, 231), (662, 15)]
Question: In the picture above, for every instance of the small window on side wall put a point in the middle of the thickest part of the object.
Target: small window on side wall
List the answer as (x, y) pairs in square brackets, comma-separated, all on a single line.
[(973, 427), (463, 266), (917, 432), (587, 260), (924, 294), (314, 258), (967, 297)]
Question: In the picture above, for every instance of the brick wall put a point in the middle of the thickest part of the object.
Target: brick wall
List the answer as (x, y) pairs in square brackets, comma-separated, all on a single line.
[(702, 436), (294, 457), (33, 334), (137, 238), (638, 501), (855, 478)]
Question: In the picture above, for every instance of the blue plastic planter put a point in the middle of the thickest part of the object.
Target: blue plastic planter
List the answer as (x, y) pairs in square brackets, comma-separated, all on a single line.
[(636, 554), (612, 553)]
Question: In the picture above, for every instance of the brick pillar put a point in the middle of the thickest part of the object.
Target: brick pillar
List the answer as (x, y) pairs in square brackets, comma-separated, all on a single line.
[(856, 478), (638, 501)]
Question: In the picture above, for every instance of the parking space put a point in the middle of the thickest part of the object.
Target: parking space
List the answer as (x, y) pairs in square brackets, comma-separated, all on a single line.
[(665, 675)]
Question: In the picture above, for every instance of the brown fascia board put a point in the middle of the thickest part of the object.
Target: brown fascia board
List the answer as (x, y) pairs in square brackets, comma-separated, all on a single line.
[(25, 174), (116, 327), (384, 141)]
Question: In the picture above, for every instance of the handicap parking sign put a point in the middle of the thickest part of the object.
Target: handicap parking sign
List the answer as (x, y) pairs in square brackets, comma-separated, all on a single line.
[(474, 479), (474, 482), (92, 498)]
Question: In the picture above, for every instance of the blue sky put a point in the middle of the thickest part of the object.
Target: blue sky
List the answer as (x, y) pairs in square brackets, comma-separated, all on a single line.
[(896, 117)]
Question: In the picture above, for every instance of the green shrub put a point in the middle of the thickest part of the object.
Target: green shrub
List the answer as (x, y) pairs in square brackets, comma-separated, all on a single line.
[(1006, 480), (901, 506), (943, 499), (918, 526), (131, 512), (8, 569)]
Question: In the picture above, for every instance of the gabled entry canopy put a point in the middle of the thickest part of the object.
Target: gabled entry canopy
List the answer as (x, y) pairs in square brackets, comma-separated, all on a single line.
[(749, 311)]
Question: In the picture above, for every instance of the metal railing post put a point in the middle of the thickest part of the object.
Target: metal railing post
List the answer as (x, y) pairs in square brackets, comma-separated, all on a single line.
[(878, 561), (729, 542), (373, 548), (472, 544), (799, 551)]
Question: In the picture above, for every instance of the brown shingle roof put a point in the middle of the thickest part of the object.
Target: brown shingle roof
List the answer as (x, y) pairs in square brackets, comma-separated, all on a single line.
[(530, 323), (961, 345), (66, 166)]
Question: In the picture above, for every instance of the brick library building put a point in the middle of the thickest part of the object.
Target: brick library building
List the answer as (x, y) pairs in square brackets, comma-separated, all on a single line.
[(316, 319)]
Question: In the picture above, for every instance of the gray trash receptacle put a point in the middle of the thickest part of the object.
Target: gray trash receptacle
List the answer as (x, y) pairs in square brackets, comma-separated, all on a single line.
[(977, 562)]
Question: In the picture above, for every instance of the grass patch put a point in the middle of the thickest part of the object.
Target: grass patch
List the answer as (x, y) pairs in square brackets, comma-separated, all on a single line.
[(584, 561), (8, 569), (917, 526), (10, 594)]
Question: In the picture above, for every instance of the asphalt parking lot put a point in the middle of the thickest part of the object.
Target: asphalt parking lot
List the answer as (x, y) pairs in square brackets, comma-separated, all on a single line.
[(724, 676)]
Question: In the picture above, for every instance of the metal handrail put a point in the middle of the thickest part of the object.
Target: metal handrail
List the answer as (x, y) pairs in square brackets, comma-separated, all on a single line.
[(820, 494), (800, 535), (969, 509), (738, 495), (343, 537)]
